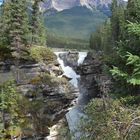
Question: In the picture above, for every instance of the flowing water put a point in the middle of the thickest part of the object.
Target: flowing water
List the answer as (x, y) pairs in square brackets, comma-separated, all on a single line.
[(68, 71), (75, 113)]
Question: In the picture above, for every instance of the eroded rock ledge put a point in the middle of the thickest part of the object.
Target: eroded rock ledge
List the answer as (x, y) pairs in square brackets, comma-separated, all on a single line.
[(93, 83), (50, 95)]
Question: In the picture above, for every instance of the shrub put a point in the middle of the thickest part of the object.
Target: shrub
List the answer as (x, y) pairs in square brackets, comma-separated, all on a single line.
[(13, 106), (40, 53), (110, 120), (36, 80)]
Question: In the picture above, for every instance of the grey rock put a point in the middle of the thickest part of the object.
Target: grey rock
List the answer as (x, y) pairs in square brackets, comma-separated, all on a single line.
[(70, 59)]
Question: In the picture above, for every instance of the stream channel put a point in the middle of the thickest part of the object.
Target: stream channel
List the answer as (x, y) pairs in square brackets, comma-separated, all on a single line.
[(75, 113)]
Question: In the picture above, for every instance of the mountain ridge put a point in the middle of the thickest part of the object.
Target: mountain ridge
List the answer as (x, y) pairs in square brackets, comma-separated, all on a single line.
[(77, 22), (53, 6)]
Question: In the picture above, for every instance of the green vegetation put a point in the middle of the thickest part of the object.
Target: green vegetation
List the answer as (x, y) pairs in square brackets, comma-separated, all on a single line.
[(17, 28), (71, 28), (119, 39), (116, 117), (19, 40), (55, 41), (112, 117), (14, 23), (40, 53), (50, 80), (12, 111), (77, 22), (132, 77), (37, 25), (110, 120)]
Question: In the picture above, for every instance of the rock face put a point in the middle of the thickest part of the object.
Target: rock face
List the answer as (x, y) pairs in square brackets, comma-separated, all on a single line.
[(92, 83), (49, 95), (60, 5), (70, 59), (67, 4)]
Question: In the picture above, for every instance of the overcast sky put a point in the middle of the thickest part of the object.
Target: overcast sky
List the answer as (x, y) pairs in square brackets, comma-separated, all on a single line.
[(2, 1)]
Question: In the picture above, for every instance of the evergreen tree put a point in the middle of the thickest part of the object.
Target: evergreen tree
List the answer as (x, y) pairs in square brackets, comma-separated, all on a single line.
[(19, 23), (133, 16), (100, 40), (123, 36), (126, 65), (18, 31), (5, 17), (37, 25), (14, 23), (133, 11), (117, 21)]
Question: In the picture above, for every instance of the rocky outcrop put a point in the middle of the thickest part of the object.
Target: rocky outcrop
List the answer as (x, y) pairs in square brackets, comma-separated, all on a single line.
[(93, 83), (66, 4), (40, 82), (54, 6), (49, 95), (70, 59)]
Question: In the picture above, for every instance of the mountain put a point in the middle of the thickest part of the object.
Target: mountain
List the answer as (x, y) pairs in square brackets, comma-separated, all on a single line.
[(60, 5), (52, 6), (77, 22), (74, 19)]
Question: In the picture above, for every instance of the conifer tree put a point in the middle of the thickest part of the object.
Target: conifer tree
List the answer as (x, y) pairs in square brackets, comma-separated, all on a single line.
[(133, 16), (19, 23), (117, 21), (133, 11), (37, 25), (5, 23), (126, 67), (18, 31)]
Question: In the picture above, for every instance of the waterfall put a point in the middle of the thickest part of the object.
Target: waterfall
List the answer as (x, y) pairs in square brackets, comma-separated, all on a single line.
[(68, 71), (82, 56), (75, 113)]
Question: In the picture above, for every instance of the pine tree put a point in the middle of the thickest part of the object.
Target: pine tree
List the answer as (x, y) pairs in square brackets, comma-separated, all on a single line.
[(37, 25), (127, 63), (133, 11), (133, 17), (19, 23), (18, 31), (117, 21), (5, 23)]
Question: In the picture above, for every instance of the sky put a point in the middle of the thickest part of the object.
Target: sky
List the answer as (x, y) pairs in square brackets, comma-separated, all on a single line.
[(2, 1)]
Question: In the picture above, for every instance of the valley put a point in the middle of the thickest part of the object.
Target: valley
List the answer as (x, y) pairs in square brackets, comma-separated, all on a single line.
[(69, 70), (77, 22)]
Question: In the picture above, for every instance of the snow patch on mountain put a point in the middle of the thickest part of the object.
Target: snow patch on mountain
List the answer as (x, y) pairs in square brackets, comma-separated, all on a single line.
[(60, 5)]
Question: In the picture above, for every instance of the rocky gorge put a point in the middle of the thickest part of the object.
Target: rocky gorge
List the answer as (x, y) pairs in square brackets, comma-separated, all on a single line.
[(91, 83), (56, 90), (48, 94)]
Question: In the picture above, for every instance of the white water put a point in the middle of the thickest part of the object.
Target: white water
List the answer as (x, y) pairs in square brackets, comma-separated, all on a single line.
[(75, 113), (82, 56), (68, 71)]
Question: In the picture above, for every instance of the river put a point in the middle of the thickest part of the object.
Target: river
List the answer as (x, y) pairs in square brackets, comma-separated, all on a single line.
[(75, 113)]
